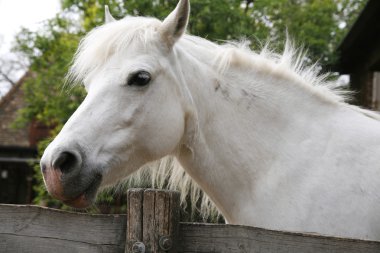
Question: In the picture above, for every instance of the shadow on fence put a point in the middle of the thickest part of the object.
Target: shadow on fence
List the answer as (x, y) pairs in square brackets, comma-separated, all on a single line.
[(151, 224)]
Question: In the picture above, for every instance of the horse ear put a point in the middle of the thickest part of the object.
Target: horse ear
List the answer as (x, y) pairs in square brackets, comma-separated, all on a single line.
[(175, 24), (107, 15)]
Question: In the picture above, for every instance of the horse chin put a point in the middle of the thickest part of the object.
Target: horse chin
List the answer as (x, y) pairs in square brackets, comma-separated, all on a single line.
[(86, 198)]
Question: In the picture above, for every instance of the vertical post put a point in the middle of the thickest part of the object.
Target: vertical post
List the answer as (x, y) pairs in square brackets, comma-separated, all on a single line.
[(153, 221), (134, 219)]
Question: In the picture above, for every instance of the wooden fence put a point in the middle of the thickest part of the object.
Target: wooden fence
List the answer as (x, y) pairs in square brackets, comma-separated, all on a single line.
[(151, 224)]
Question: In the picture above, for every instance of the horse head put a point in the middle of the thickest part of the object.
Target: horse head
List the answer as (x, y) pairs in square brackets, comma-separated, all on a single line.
[(134, 112)]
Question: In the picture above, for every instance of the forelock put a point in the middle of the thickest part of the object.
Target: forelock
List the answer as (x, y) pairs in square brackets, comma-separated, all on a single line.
[(99, 45)]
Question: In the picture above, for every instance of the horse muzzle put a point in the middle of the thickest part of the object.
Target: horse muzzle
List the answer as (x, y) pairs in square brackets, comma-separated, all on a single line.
[(68, 179)]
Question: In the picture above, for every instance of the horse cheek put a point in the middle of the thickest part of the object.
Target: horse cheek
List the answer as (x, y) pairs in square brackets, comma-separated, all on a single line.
[(163, 132)]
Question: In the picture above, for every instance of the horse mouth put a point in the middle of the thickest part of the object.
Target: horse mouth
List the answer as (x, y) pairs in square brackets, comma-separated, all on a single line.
[(87, 197)]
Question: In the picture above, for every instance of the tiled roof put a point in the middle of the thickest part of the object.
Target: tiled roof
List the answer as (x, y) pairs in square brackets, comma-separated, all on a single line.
[(9, 106)]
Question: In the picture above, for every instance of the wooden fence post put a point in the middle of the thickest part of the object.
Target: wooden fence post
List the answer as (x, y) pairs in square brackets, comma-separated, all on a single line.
[(152, 221)]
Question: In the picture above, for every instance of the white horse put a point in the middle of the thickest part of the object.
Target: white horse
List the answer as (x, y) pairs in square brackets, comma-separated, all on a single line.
[(264, 136)]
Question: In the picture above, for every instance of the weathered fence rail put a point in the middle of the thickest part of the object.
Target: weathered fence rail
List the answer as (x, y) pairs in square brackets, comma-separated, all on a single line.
[(150, 225)]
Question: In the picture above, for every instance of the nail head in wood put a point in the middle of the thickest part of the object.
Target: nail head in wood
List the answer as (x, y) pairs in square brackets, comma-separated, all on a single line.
[(138, 247), (165, 243)]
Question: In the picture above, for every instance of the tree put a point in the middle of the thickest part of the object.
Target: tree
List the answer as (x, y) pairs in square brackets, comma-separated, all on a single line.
[(315, 24), (11, 67), (49, 52), (221, 21)]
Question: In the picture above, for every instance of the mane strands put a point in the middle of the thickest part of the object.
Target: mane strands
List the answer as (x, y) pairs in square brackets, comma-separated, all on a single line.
[(289, 65)]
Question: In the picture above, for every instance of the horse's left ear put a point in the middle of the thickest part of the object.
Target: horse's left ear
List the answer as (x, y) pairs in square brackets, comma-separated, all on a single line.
[(107, 15), (175, 24)]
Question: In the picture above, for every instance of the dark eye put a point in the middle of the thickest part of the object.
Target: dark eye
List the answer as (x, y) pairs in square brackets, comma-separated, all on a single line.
[(140, 78)]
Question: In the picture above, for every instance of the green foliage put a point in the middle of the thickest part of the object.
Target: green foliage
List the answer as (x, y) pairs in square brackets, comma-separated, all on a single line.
[(49, 52), (221, 21), (313, 23)]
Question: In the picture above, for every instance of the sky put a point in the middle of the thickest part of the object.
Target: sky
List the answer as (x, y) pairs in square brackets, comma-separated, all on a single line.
[(15, 14)]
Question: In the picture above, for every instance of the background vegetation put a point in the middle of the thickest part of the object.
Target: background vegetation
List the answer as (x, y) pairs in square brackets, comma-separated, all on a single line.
[(318, 24)]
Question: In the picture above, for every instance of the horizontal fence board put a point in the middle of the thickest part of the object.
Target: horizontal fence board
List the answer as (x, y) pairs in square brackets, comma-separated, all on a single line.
[(37, 229), (16, 243), (43, 225), (199, 237)]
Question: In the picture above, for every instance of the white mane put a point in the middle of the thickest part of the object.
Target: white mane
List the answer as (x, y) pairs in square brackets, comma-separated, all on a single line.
[(101, 43)]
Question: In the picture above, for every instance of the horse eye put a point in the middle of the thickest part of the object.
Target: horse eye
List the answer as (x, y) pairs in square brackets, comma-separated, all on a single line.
[(140, 79)]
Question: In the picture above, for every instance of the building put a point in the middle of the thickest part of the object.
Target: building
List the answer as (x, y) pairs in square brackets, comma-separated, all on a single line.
[(17, 149), (360, 56)]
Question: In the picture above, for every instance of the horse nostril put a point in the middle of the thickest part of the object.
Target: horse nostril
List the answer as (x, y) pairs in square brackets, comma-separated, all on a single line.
[(66, 162)]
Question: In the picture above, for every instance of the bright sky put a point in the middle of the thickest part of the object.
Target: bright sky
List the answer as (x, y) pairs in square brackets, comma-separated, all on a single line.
[(28, 13), (15, 14)]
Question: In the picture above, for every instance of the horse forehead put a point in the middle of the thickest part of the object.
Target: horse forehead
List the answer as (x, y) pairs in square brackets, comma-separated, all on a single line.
[(141, 30), (137, 53), (122, 63)]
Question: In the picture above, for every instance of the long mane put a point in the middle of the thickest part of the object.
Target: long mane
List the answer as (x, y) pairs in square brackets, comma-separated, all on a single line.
[(103, 42)]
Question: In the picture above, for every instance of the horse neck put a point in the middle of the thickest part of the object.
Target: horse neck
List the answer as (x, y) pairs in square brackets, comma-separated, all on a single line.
[(247, 123)]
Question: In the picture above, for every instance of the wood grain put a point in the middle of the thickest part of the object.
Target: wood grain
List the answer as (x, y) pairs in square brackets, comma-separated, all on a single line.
[(39, 229), (151, 214), (134, 218), (160, 219), (198, 237)]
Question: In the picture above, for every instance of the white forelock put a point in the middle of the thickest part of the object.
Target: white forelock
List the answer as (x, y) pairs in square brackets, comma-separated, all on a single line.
[(99, 45)]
